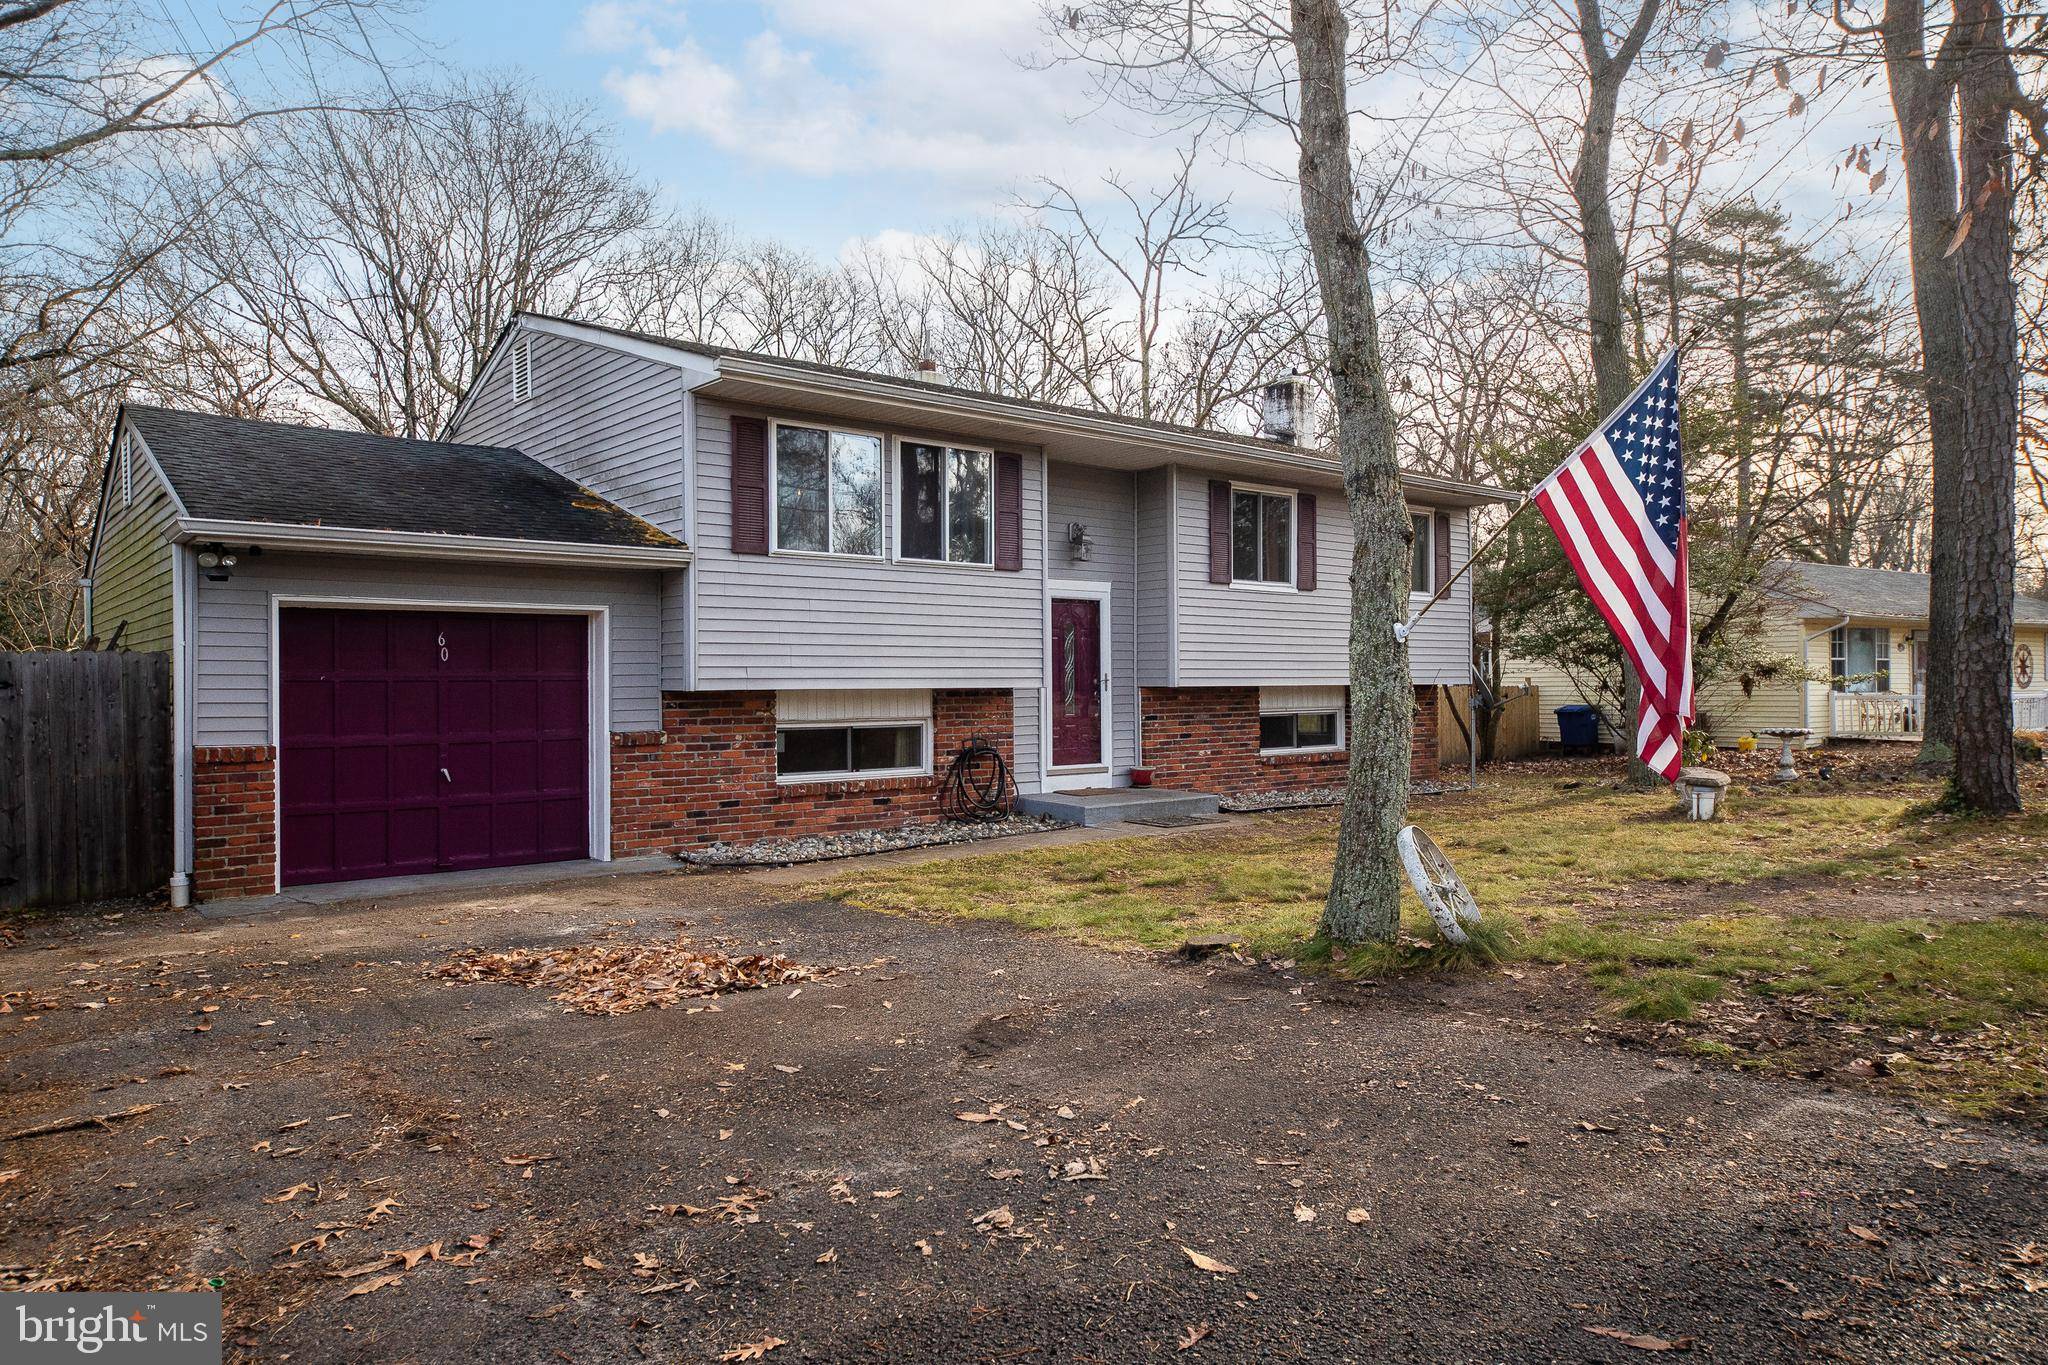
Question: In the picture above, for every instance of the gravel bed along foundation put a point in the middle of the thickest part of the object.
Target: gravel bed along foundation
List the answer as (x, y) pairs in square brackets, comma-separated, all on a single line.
[(818, 848)]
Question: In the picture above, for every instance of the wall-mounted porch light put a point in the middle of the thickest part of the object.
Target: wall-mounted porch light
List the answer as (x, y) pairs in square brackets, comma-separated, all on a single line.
[(1079, 544)]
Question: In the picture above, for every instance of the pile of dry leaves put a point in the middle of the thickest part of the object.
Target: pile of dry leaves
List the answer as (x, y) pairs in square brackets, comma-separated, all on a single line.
[(595, 978)]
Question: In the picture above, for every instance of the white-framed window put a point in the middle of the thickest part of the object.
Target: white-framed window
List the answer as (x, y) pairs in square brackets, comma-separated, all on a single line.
[(1262, 535), (1860, 658), (522, 370), (1295, 720), (1422, 561), (945, 503), (828, 490), (841, 735)]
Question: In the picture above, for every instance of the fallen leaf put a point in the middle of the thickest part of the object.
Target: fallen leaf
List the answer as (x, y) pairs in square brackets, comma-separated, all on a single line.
[(1208, 1263), (998, 1217), (1304, 1214), (754, 1350), (923, 1246), (1866, 1234), (787, 1070), (593, 1263), (1357, 1216), (380, 1209), (979, 1118), (528, 1160), (887, 1194), (372, 1286), (1641, 1341), (828, 1256), (286, 1196), (430, 1252), (1189, 1336)]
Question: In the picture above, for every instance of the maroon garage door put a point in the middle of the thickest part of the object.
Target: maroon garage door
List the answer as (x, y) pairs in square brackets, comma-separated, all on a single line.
[(421, 741)]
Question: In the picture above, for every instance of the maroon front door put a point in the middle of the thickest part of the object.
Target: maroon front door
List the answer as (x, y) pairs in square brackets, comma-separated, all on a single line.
[(422, 741), (1076, 682)]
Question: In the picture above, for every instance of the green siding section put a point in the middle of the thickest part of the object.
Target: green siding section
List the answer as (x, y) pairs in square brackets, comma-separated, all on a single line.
[(132, 581)]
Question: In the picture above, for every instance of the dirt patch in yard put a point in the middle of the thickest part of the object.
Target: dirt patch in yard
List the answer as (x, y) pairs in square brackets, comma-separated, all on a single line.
[(990, 1145)]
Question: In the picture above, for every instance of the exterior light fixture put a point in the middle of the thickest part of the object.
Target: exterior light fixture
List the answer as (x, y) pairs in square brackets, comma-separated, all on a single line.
[(1079, 544), (218, 561)]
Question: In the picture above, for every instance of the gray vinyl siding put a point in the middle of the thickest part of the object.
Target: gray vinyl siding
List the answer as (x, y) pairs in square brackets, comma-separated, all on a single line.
[(132, 580), (797, 621), (1440, 648), (1103, 500), (1231, 635), (612, 422), (1154, 553), (1030, 766), (232, 705)]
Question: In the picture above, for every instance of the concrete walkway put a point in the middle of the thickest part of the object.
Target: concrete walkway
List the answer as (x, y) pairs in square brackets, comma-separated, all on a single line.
[(436, 883)]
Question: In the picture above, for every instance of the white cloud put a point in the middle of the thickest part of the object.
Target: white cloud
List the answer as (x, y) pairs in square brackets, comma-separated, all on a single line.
[(899, 87)]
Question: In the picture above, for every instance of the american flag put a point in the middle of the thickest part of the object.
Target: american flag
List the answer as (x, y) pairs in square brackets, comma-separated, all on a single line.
[(1618, 508)]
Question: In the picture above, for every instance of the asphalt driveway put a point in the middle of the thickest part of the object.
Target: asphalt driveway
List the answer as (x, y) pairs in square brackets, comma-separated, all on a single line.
[(1434, 1173)]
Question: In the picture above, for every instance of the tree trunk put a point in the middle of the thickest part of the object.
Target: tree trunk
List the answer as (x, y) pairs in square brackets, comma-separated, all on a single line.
[(1920, 100), (1984, 777), (1365, 885), (1613, 377)]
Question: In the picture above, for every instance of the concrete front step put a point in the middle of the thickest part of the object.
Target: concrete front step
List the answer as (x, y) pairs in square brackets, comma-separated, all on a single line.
[(1111, 806)]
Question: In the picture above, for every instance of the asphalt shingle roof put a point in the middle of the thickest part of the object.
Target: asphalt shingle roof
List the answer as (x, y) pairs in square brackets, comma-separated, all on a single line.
[(1886, 594), (234, 469)]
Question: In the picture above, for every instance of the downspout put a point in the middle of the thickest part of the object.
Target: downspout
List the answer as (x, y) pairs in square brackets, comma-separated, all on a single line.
[(184, 631), (85, 586), (1805, 698)]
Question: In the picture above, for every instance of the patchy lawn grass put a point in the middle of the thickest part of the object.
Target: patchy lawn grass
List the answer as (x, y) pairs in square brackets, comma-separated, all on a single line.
[(1672, 921)]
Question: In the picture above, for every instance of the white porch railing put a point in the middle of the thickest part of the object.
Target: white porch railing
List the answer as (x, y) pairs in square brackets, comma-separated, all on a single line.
[(1874, 715), (1897, 715)]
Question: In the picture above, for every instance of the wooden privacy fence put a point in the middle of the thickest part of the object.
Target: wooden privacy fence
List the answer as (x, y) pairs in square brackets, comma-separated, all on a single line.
[(1517, 737), (85, 776)]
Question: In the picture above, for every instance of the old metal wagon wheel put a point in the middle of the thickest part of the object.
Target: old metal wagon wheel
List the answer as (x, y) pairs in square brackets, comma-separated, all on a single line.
[(1437, 884)]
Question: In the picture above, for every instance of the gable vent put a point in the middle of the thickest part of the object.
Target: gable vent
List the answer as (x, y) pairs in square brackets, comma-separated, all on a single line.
[(127, 469), (522, 370)]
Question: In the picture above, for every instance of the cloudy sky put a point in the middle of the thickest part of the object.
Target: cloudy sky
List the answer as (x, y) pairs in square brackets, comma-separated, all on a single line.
[(822, 121)]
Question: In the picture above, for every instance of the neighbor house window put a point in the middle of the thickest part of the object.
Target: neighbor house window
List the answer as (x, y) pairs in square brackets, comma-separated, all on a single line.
[(1293, 718), (1422, 554), (945, 504), (1261, 536), (1860, 657), (828, 491)]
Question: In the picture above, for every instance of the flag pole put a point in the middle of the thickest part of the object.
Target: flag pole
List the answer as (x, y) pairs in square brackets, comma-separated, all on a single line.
[(1401, 629)]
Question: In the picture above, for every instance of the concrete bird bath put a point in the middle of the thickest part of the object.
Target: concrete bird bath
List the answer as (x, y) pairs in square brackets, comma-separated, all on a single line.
[(1787, 770)]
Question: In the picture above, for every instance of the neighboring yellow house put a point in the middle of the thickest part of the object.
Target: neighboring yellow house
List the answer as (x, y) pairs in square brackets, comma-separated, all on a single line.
[(1861, 635)]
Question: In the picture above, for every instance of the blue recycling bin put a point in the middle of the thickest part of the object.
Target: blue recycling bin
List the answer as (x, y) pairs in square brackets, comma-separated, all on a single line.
[(1578, 727)]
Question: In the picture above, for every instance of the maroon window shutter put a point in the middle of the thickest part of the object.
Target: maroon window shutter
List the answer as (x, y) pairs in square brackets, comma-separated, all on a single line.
[(1009, 512), (1219, 531), (1443, 551), (1305, 542), (749, 486)]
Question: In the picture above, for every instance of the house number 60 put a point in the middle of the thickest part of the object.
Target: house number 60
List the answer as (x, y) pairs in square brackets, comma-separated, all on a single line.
[(442, 640)]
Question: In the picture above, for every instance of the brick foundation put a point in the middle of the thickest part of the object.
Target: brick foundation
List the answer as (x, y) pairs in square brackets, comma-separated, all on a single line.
[(708, 775), (1207, 739), (234, 821)]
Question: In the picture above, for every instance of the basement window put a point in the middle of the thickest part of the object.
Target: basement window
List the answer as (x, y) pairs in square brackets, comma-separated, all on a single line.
[(1295, 720), (821, 753)]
